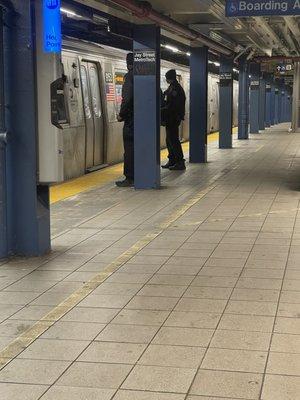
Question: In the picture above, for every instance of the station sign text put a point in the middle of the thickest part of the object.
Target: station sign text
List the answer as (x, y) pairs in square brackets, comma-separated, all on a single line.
[(250, 8), (52, 26)]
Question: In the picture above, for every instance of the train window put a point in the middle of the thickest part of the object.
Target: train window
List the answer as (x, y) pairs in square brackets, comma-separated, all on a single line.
[(95, 89), (119, 80), (85, 91)]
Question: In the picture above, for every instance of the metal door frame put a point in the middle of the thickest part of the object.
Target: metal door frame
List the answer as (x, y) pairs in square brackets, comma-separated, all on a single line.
[(98, 65)]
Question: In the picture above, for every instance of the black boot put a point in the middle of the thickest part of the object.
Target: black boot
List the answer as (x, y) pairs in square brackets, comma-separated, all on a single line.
[(168, 165), (178, 166), (126, 183)]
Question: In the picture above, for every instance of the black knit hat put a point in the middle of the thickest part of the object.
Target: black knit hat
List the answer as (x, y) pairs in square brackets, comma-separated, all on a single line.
[(129, 59), (171, 75)]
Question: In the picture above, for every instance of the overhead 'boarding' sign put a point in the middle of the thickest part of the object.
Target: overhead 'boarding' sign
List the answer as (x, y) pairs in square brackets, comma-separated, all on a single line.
[(255, 8), (52, 26)]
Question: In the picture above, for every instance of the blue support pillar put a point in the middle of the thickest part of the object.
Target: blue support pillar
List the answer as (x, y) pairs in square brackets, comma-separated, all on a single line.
[(28, 215), (280, 103), (273, 96), (262, 103), (276, 107), (198, 104), (226, 103), (3, 200), (243, 110), (147, 106), (268, 101), (254, 97), (290, 106)]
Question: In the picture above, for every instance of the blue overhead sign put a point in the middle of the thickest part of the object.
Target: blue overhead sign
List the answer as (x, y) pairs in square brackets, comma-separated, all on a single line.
[(52, 26), (255, 8)]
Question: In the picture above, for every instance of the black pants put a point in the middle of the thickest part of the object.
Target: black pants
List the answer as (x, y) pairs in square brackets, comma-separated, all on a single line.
[(128, 140), (173, 143)]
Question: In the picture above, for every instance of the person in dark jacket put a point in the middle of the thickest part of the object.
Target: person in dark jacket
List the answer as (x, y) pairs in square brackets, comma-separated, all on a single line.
[(173, 114), (126, 115)]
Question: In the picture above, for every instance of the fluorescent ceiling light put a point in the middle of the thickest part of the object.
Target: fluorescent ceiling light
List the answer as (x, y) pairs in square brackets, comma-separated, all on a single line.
[(188, 54), (172, 48), (69, 12)]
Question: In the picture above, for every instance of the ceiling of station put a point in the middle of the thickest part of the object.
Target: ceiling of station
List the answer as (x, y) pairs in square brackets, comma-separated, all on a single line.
[(260, 36), (267, 36)]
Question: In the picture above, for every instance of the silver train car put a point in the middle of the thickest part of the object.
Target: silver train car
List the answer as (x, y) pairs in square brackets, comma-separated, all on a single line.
[(94, 76)]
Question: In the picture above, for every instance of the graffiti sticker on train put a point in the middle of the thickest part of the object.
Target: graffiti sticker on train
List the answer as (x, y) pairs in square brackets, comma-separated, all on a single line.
[(250, 8), (52, 26)]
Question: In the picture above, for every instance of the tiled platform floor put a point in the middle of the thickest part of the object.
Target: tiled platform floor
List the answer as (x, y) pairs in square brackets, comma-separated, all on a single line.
[(206, 305)]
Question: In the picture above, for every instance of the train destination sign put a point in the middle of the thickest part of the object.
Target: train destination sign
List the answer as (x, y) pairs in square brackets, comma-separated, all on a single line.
[(52, 26), (250, 8)]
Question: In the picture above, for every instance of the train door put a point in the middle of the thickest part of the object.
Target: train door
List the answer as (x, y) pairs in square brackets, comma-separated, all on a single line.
[(93, 112)]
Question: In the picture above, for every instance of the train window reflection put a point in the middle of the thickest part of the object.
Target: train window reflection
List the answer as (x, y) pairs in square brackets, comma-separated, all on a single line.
[(85, 92), (95, 89)]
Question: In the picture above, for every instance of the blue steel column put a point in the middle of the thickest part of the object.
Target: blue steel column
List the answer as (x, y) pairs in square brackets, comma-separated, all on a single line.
[(226, 103), (147, 111), (3, 204), (262, 103), (273, 96), (276, 107), (28, 204), (243, 110), (268, 100), (198, 104), (254, 97)]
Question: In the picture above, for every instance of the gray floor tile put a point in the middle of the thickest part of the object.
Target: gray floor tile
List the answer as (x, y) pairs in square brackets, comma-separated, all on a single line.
[(216, 293), (103, 376), (36, 372), (202, 305), (152, 303), (140, 395), (49, 349), (249, 323), (228, 339), (71, 393), (73, 331), (141, 317), (161, 379), (13, 391), (235, 360), (86, 314), (183, 336), (191, 319), (281, 387), (251, 307), (172, 356), (128, 333), (229, 384), (162, 291), (283, 364), (286, 343), (115, 353)]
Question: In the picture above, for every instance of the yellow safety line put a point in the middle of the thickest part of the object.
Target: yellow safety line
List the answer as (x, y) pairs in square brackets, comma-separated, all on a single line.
[(102, 177), (26, 338)]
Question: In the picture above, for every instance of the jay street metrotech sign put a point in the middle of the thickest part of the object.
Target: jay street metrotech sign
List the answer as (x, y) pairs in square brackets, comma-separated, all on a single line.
[(255, 8)]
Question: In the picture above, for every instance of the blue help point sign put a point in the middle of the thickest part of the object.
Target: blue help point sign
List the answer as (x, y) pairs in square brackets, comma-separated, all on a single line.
[(52, 26), (255, 8)]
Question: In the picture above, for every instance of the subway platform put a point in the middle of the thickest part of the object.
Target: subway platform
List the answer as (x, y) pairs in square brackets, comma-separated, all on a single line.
[(191, 292)]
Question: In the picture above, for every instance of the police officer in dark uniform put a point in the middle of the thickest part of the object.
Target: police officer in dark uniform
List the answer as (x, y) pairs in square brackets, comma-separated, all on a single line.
[(173, 113), (126, 115)]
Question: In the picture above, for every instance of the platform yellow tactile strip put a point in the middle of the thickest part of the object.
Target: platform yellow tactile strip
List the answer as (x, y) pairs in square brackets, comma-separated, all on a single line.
[(102, 177)]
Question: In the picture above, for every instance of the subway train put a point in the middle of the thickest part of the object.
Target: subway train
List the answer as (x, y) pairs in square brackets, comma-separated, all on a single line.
[(94, 76)]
